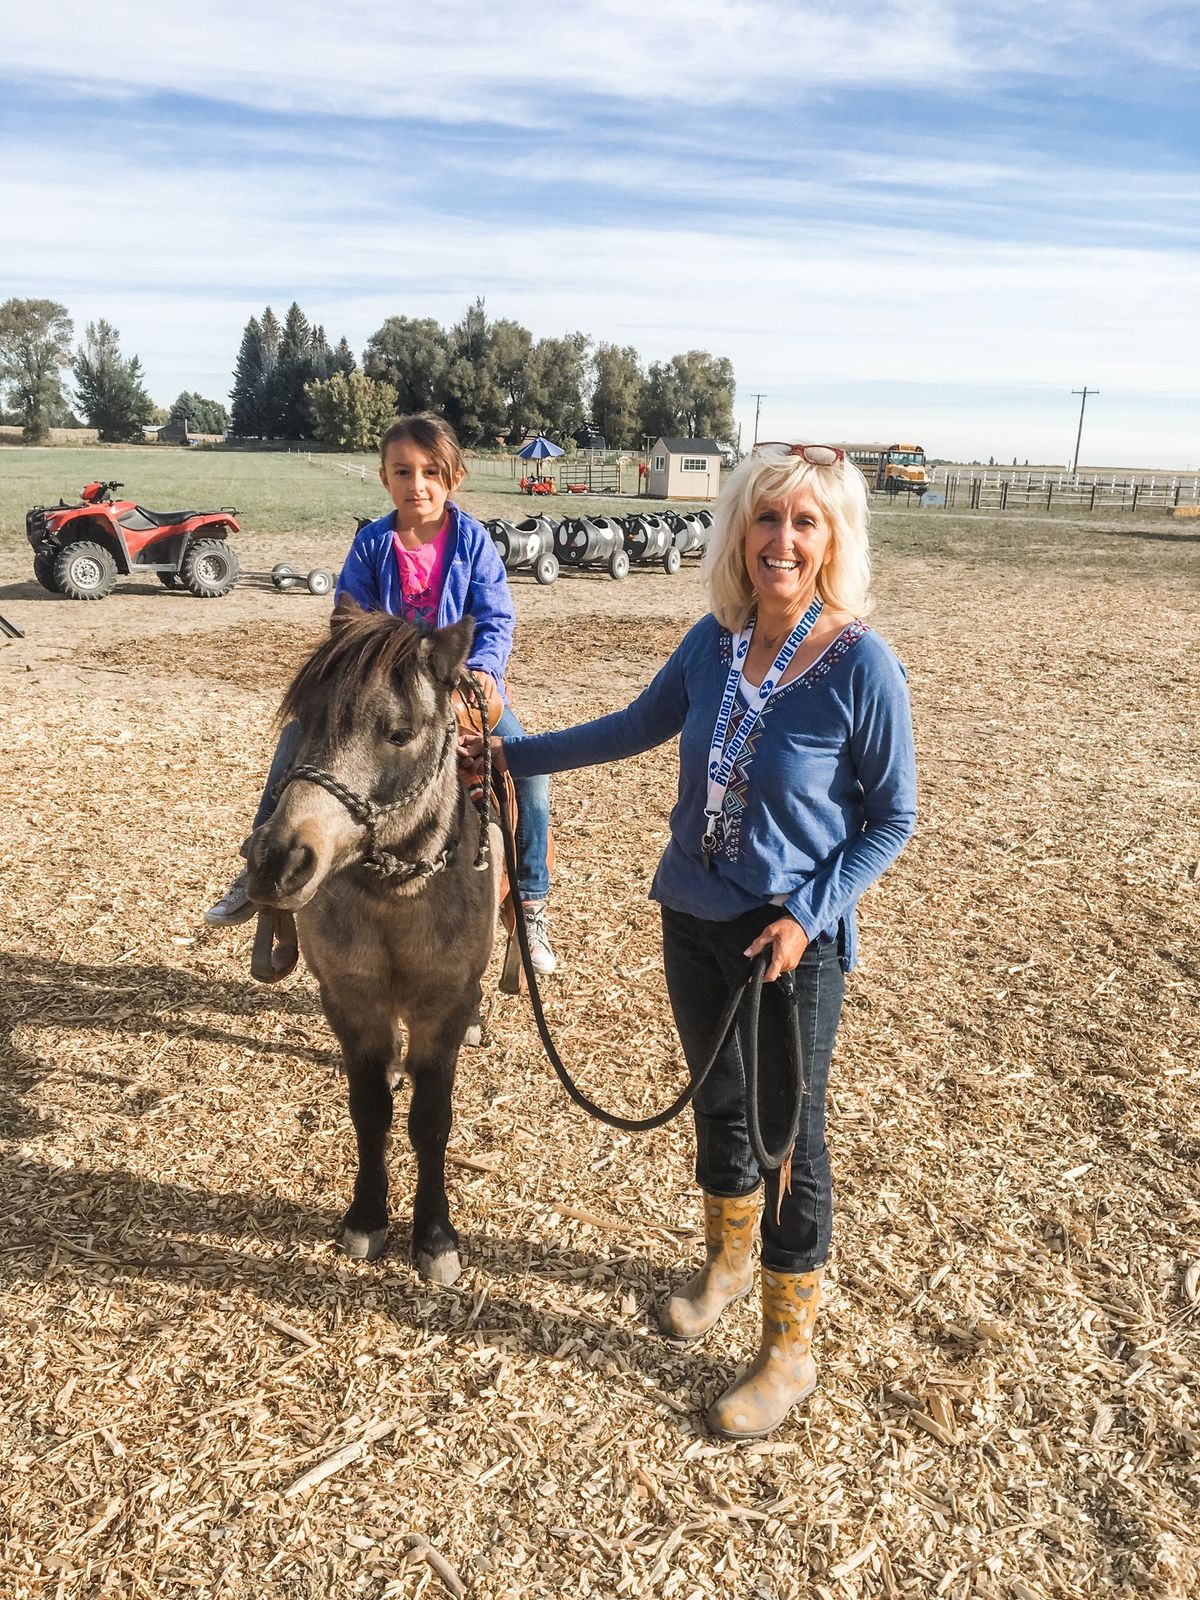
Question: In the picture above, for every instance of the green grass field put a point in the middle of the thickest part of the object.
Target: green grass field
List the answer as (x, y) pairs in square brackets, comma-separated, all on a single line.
[(277, 492)]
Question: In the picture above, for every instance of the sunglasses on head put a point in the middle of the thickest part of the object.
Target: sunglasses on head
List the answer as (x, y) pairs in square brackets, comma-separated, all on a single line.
[(817, 455)]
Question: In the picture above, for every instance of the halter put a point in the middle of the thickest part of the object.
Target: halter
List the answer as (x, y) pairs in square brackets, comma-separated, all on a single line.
[(380, 859)]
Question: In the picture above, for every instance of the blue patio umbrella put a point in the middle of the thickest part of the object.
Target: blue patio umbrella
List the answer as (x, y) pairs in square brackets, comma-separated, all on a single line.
[(539, 449)]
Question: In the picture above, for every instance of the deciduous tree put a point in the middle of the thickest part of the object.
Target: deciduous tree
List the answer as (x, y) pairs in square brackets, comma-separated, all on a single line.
[(558, 372), (690, 396), (619, 385), (350, 411), (412, 354), (35, 346)]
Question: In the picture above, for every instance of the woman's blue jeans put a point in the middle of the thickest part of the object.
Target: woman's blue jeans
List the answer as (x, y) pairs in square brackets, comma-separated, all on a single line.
[(533, 805), (703, 961)]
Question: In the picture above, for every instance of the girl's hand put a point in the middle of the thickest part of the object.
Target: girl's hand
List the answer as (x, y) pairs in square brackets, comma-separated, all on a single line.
[(787, 941)]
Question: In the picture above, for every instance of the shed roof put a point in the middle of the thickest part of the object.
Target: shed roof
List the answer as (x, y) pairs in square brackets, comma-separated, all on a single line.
[(691, 447)]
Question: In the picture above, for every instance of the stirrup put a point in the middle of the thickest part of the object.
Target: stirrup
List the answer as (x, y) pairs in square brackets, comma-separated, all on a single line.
[(512, 974)]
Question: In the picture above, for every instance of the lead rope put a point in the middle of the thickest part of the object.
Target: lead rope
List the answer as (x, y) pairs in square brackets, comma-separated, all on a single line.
[(768, 1160)]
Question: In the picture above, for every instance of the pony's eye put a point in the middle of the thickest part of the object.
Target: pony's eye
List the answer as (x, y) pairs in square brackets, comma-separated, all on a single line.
[(400, 736)]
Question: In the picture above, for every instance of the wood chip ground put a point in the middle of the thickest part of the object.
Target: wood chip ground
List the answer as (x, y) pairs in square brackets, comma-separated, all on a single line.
[(199, 1396)]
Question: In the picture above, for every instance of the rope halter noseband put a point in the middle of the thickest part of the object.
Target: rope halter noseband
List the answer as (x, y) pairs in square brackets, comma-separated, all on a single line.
[(381, 860)]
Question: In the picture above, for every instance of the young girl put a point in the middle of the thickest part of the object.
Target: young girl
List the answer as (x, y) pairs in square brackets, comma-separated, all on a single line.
[(430, 562)]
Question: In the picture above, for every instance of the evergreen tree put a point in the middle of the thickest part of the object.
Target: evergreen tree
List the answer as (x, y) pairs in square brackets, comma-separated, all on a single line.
[(294, 370), (321, 355), (201, 415), (245, 397), (269, 401), (343, 357), (35, 345), (110, 390)]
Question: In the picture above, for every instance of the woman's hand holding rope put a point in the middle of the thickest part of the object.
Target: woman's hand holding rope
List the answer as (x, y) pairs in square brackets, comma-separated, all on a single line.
[(787, 942)]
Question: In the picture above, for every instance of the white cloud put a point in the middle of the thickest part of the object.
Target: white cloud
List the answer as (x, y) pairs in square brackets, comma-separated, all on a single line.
[(895, 262), (461, 60), (803, 310)]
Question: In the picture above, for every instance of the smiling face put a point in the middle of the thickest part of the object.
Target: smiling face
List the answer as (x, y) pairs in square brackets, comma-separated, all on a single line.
[(415, 480), (786, 545)]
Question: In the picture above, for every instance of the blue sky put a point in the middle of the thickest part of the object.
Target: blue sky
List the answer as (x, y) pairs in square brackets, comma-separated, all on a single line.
[(926, 222)]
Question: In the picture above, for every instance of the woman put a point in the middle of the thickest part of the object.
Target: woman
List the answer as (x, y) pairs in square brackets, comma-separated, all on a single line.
[(797, 790)]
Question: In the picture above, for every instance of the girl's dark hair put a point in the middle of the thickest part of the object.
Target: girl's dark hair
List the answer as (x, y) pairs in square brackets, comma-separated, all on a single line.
[(435, 436)]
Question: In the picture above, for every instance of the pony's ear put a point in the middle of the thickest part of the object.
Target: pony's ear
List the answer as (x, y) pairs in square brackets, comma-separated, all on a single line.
[(346, 610), (445, 652)]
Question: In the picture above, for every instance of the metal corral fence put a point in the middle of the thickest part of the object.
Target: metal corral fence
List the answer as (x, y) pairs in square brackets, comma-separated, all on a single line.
[(1009, 490), (585, 472)]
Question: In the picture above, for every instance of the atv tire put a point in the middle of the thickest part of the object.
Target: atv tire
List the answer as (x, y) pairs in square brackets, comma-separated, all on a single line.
[(169, 580), (210, 569), (85, 571), (43, 571)]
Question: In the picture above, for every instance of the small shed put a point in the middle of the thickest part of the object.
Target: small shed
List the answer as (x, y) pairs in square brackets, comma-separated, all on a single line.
[(684, 469)]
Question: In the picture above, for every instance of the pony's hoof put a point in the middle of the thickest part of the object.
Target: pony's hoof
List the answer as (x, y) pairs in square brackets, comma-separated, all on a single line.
[(444, 1269), (474, 1035), (364, 1246)]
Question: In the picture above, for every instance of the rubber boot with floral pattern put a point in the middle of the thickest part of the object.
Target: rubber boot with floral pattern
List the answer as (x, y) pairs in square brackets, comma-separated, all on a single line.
[(727, 1273), (783, 1372)]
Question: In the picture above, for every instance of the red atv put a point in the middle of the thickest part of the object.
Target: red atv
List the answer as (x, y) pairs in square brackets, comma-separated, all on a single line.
[(79, 550)]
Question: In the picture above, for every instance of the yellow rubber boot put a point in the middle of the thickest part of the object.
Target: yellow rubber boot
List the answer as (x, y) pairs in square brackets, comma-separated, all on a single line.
[(727, 1273), (783, 1372)]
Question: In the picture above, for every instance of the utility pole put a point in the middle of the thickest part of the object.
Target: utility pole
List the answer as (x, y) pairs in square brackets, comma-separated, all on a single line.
[(758, 399), (1084, 392)]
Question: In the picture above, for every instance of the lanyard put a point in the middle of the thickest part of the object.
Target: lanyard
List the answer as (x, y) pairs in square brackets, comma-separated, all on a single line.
[(722, 756)]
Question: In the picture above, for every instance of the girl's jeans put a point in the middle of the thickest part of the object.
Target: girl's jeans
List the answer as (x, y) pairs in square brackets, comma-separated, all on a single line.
[(533, 804), (703, 960)]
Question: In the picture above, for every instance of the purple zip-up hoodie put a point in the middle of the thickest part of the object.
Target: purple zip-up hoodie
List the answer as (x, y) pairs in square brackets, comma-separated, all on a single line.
[(475, 585)]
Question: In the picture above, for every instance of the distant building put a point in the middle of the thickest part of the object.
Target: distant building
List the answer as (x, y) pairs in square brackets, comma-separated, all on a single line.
[(684, 469)]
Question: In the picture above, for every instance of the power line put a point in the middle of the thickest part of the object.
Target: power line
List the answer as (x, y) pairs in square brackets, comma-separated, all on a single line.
[(1085, 391)]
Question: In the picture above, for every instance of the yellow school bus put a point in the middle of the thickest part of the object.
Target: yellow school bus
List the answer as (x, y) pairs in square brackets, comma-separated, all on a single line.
[(893, 467)]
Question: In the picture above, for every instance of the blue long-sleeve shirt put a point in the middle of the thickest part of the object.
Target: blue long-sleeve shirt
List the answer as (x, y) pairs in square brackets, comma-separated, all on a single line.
[(820, 804), (475, 585)]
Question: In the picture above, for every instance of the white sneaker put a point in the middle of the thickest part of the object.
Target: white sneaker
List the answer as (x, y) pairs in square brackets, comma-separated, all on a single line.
[(234, 906), (540, 954)]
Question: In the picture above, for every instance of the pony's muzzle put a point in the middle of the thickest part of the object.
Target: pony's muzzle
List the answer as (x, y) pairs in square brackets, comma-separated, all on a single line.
[(286, 868)]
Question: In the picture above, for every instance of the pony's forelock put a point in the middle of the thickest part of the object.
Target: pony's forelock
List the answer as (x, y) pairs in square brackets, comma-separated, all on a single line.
[(364, 650)]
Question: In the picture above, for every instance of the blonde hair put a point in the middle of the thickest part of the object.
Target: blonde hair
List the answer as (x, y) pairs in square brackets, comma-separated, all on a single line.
[(840, 490)]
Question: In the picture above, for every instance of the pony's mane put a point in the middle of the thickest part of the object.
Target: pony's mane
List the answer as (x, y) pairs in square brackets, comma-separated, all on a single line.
[(364, 648)]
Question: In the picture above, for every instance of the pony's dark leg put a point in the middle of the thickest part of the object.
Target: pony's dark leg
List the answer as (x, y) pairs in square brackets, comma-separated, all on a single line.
[(433, 1048), (369, 1051)]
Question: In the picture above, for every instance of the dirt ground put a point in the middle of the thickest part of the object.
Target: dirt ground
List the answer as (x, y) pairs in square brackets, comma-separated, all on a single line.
[(1010, 1365)]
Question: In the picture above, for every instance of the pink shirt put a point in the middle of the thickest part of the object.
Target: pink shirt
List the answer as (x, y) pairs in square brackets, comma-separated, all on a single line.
[(422, 574)]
